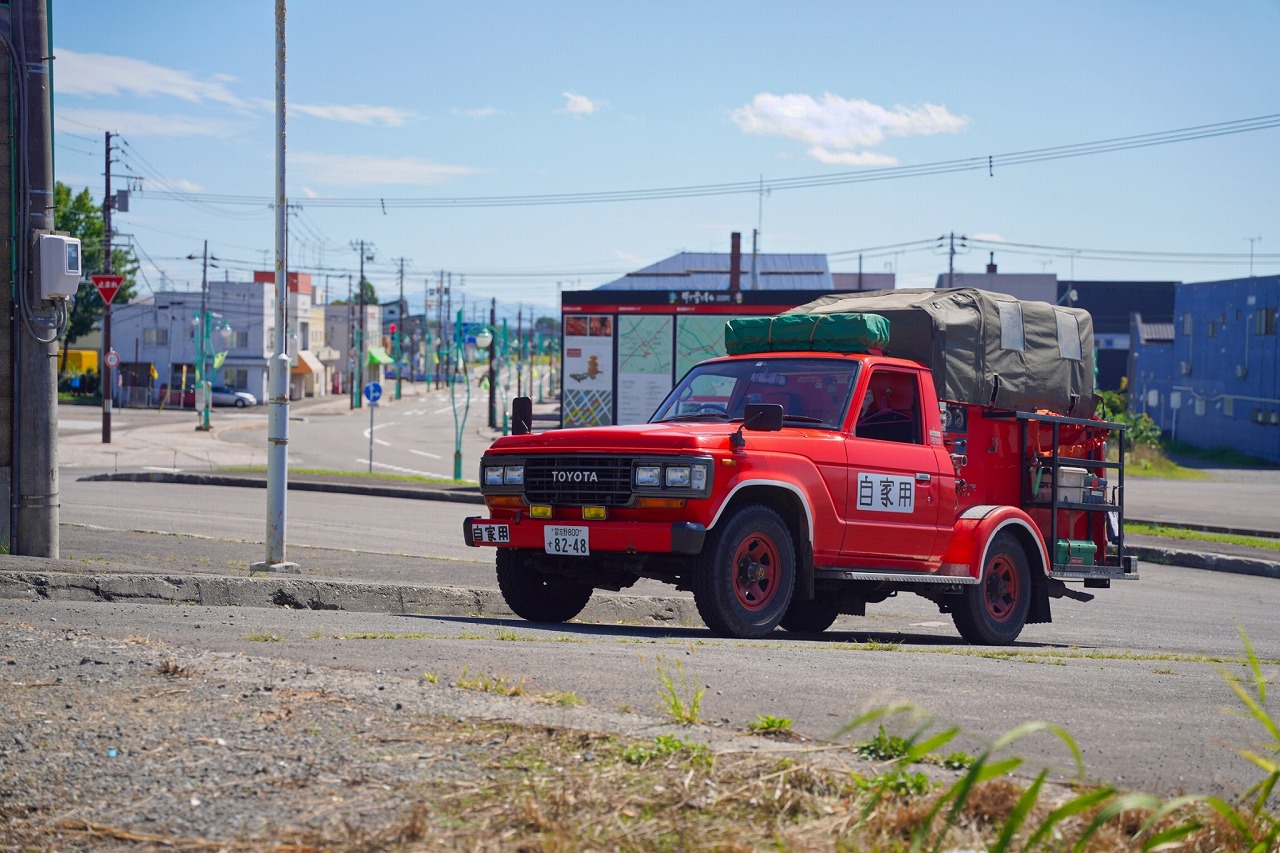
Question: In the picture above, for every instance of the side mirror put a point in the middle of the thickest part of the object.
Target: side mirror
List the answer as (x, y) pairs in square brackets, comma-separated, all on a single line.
[(763, 417), (522, 416)]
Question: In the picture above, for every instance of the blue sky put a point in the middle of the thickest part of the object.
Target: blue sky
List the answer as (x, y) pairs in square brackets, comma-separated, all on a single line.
[(429, 100)]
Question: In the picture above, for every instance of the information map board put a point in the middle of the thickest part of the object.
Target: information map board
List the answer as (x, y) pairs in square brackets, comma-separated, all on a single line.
[(622, 351)]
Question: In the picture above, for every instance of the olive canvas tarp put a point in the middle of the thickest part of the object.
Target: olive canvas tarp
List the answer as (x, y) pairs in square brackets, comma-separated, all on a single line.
[(812, 332), (985, 348)]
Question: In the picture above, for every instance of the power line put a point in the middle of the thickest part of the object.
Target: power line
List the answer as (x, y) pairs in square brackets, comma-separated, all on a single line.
[(988, 163)]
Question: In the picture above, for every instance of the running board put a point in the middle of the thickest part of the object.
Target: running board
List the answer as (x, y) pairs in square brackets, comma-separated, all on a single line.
[(892, 577)]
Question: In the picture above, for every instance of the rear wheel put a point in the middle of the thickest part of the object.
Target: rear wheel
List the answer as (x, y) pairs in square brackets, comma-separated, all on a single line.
[(743, 582), (538, 596), (810, 617), (993, 612)]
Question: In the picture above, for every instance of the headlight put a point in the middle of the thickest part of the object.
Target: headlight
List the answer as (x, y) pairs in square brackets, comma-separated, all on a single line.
[(678, 476), (698, 479), (504, 475), (649, 475)]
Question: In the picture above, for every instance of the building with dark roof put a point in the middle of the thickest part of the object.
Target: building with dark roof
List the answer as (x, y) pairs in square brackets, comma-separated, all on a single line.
[(711, 271)]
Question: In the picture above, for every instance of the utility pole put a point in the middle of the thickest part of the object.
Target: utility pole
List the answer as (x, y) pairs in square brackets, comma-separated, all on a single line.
[(360, 344), (493, 347), (951, 257), (202, 345), (106, 376), (278, 372), (34, 499), (351, 345), (399, 333)]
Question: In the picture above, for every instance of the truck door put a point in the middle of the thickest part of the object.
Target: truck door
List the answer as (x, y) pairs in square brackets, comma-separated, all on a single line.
[(894, 484)]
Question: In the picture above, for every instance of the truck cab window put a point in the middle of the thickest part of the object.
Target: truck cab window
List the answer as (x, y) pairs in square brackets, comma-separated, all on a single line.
[(891, 408)]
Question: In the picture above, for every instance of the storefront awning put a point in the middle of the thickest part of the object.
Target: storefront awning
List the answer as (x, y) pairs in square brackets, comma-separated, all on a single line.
[(377, 355), (307, 363)]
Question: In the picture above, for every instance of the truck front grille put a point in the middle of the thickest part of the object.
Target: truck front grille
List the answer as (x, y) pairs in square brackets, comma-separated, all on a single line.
[(578, 480)]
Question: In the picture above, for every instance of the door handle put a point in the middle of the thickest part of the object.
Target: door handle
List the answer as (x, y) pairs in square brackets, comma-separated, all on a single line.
[(923, 478)]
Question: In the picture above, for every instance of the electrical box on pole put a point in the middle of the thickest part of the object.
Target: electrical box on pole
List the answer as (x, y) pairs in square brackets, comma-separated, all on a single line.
[(59, 266)]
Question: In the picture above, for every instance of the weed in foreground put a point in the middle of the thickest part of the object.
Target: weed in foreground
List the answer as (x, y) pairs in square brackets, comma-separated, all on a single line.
[(767, 724), (680, 695)]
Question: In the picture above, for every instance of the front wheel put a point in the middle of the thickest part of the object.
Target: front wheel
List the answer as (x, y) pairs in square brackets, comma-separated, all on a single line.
[(743, 581), (538, 596), (993, 612), (240, 403)]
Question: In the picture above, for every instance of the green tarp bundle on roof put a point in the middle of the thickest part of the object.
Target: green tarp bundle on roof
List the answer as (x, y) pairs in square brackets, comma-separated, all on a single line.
[(842, 332)]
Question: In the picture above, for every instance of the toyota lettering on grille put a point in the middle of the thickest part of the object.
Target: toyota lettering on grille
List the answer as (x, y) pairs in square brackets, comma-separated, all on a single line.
[(574, 477)]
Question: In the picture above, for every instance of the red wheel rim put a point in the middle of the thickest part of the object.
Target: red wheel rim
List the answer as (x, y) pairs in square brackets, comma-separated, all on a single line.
[(755, 572), (1001, 588)]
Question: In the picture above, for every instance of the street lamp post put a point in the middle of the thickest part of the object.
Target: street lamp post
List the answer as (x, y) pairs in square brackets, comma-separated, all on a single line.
[(203, 323), (459, 424)]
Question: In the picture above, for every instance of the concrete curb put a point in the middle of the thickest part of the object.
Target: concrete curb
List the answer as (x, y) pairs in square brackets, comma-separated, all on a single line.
[(421, 493), (1202, 560), (298, 594)]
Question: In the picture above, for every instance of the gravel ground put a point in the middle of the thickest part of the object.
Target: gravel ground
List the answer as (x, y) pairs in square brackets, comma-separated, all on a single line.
[(133, 744)]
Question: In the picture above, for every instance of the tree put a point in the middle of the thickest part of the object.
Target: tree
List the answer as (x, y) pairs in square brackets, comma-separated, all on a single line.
[(81, 217), (370, 293)]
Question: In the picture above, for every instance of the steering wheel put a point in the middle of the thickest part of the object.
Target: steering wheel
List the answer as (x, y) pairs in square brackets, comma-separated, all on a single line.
[(710, 409)]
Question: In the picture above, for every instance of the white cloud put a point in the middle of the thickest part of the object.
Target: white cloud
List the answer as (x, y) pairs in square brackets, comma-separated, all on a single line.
[(148, 124), (480, 112), (851, 158), (579, 105), (354, 114), (838, 129), (310, 193), (988, 237), (366, 169), (93, 74)]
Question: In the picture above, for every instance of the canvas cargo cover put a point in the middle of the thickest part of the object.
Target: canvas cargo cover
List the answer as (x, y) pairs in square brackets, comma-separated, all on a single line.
[(819, 332), (985, 348)]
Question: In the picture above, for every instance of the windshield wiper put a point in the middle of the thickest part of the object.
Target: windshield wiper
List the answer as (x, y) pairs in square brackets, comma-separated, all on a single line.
[(803, 419), (696, 416)]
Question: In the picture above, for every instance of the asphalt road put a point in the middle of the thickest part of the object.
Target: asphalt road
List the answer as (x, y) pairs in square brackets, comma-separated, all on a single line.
[(1134, 675)]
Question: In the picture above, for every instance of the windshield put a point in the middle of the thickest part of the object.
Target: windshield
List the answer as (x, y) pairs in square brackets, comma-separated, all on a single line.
[(812, 391)]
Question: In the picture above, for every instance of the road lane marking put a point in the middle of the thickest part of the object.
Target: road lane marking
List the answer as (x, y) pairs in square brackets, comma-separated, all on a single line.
[(403, 470), (425, 453)]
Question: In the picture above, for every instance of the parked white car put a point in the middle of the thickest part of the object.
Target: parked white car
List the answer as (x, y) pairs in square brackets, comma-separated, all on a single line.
[(225, 395)]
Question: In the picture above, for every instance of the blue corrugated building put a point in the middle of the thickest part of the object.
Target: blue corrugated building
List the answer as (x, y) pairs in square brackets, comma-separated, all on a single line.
[(1212, 378)]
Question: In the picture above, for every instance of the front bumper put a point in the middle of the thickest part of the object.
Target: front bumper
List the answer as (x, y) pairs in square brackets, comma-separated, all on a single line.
[(674, 537)]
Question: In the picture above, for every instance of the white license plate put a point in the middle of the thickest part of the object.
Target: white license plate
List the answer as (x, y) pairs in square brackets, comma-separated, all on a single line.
[(566, 540), (490, 533)]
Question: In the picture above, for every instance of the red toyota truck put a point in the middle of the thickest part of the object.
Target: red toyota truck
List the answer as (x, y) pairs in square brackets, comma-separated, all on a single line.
[(939, 442)]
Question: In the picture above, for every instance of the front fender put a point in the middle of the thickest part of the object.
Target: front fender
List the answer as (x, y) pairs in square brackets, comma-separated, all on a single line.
[(978, 525)]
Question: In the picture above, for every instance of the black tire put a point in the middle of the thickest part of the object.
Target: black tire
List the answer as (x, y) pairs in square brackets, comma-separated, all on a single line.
[(993, 612), (744, 577), (538, 596), (810, 617)]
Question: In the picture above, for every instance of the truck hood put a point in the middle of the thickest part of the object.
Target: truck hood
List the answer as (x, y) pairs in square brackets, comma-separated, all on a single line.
[(631, 438)]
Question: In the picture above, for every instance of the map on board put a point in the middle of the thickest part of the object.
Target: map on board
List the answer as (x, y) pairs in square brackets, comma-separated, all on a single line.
[(644, 366)]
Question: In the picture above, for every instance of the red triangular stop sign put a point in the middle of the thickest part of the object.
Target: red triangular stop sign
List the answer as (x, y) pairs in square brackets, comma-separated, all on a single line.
[(107, 286)]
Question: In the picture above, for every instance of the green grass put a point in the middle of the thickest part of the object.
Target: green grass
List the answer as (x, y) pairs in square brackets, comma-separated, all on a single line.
[(1219, 456), (265, 638), (363, 475), (768, 724), (1165, 532), (681, 698)]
